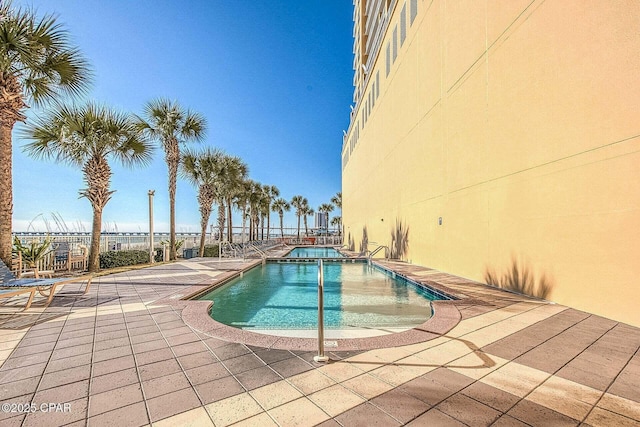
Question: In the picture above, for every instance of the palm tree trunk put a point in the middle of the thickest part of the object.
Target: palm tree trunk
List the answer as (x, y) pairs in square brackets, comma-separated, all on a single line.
[(262, 227), (6, 193), (244, 220), (306, 230), (256, 225), (94, 249), (281, 226), (230, 233), (221, 209), (173, 159), (298, 227), (206, 197), (206, 213), (203, 236), (97, 175), (268, 225)]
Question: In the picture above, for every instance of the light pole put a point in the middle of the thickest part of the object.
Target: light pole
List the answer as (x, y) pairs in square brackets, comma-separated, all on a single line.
[(151, 251)]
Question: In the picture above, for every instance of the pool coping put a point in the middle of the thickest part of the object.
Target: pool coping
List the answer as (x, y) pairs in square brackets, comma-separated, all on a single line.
[(195, 313)]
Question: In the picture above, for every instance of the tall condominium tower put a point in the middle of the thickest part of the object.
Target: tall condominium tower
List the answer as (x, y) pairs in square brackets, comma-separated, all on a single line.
[(488, 137)]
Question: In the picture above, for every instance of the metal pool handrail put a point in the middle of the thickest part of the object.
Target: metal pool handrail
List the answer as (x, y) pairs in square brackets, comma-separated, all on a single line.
[(321, 356), (376, 250)]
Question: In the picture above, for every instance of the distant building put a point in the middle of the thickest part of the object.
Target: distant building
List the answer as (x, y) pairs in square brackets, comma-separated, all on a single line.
[(322, 220), (488, 134)]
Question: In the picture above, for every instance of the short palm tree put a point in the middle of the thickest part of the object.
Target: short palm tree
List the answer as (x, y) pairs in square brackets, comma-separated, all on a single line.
[(325, 208), (298, 203), (168, 123), (280, 205), (37, 65), (337, 201), (87, 137), (336, 221), (203, 171)]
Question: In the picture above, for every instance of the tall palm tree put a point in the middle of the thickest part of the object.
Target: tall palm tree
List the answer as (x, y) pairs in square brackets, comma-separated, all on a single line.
[(337, 200), (203, 171), (272, 193), (168, 123), (298, 203), (325, 208), (37, 65), (280, 205), (242, 203), (87, 137), (234, 173), (255, 199), (265, 210)]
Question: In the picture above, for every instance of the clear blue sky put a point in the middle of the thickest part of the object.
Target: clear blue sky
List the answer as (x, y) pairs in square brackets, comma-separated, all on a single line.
[(272, 77)]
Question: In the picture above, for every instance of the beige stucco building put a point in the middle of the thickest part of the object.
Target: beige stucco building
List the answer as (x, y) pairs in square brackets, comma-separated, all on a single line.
[(488, 132)]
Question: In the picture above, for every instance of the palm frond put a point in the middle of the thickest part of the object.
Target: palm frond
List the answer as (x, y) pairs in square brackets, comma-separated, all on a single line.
[(38, 52)]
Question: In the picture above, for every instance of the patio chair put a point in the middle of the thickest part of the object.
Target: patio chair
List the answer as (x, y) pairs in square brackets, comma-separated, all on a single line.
[(8, 293), (46, 287)]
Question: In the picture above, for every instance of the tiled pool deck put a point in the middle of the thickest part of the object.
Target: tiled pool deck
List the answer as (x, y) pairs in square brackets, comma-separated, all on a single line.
[(124, 355)]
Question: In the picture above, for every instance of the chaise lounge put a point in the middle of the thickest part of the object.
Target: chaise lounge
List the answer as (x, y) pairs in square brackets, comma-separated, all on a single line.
[(11, 286), (8, 293)]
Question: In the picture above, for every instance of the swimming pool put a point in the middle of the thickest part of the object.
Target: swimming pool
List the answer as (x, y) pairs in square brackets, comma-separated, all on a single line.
[(315, 252), (284, 296)]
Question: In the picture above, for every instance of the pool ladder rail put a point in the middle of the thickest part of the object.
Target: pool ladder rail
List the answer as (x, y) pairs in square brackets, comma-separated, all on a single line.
[(376, 250), (260, 252), (321, 357)]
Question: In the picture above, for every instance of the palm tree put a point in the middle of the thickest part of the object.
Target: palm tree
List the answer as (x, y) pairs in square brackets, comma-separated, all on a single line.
[(307, 211), (242, 203), (87, 137), (203, 171), (265, 210), (280, 205), (37, 65), (168, 123), (271, 193), (234, 173), (337, 201), (255, 199), (325, 208), (336, 221), (298, 202)]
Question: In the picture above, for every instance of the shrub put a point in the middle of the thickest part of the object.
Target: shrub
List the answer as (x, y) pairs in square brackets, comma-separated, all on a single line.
[(114, 259), (211, 250), (32, 253)]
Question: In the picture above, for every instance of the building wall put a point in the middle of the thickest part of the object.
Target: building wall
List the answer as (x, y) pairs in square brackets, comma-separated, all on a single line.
[(517, 123)]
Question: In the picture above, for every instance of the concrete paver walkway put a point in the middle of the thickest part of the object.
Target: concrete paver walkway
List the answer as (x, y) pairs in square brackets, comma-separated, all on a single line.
[(117, 356)]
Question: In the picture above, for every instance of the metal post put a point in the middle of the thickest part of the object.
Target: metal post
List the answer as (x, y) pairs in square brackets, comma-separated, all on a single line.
[(320, 357), (151, 251)]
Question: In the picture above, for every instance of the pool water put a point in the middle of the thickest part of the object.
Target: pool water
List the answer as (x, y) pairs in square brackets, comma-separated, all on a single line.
[(285, 296), (316, 252)]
